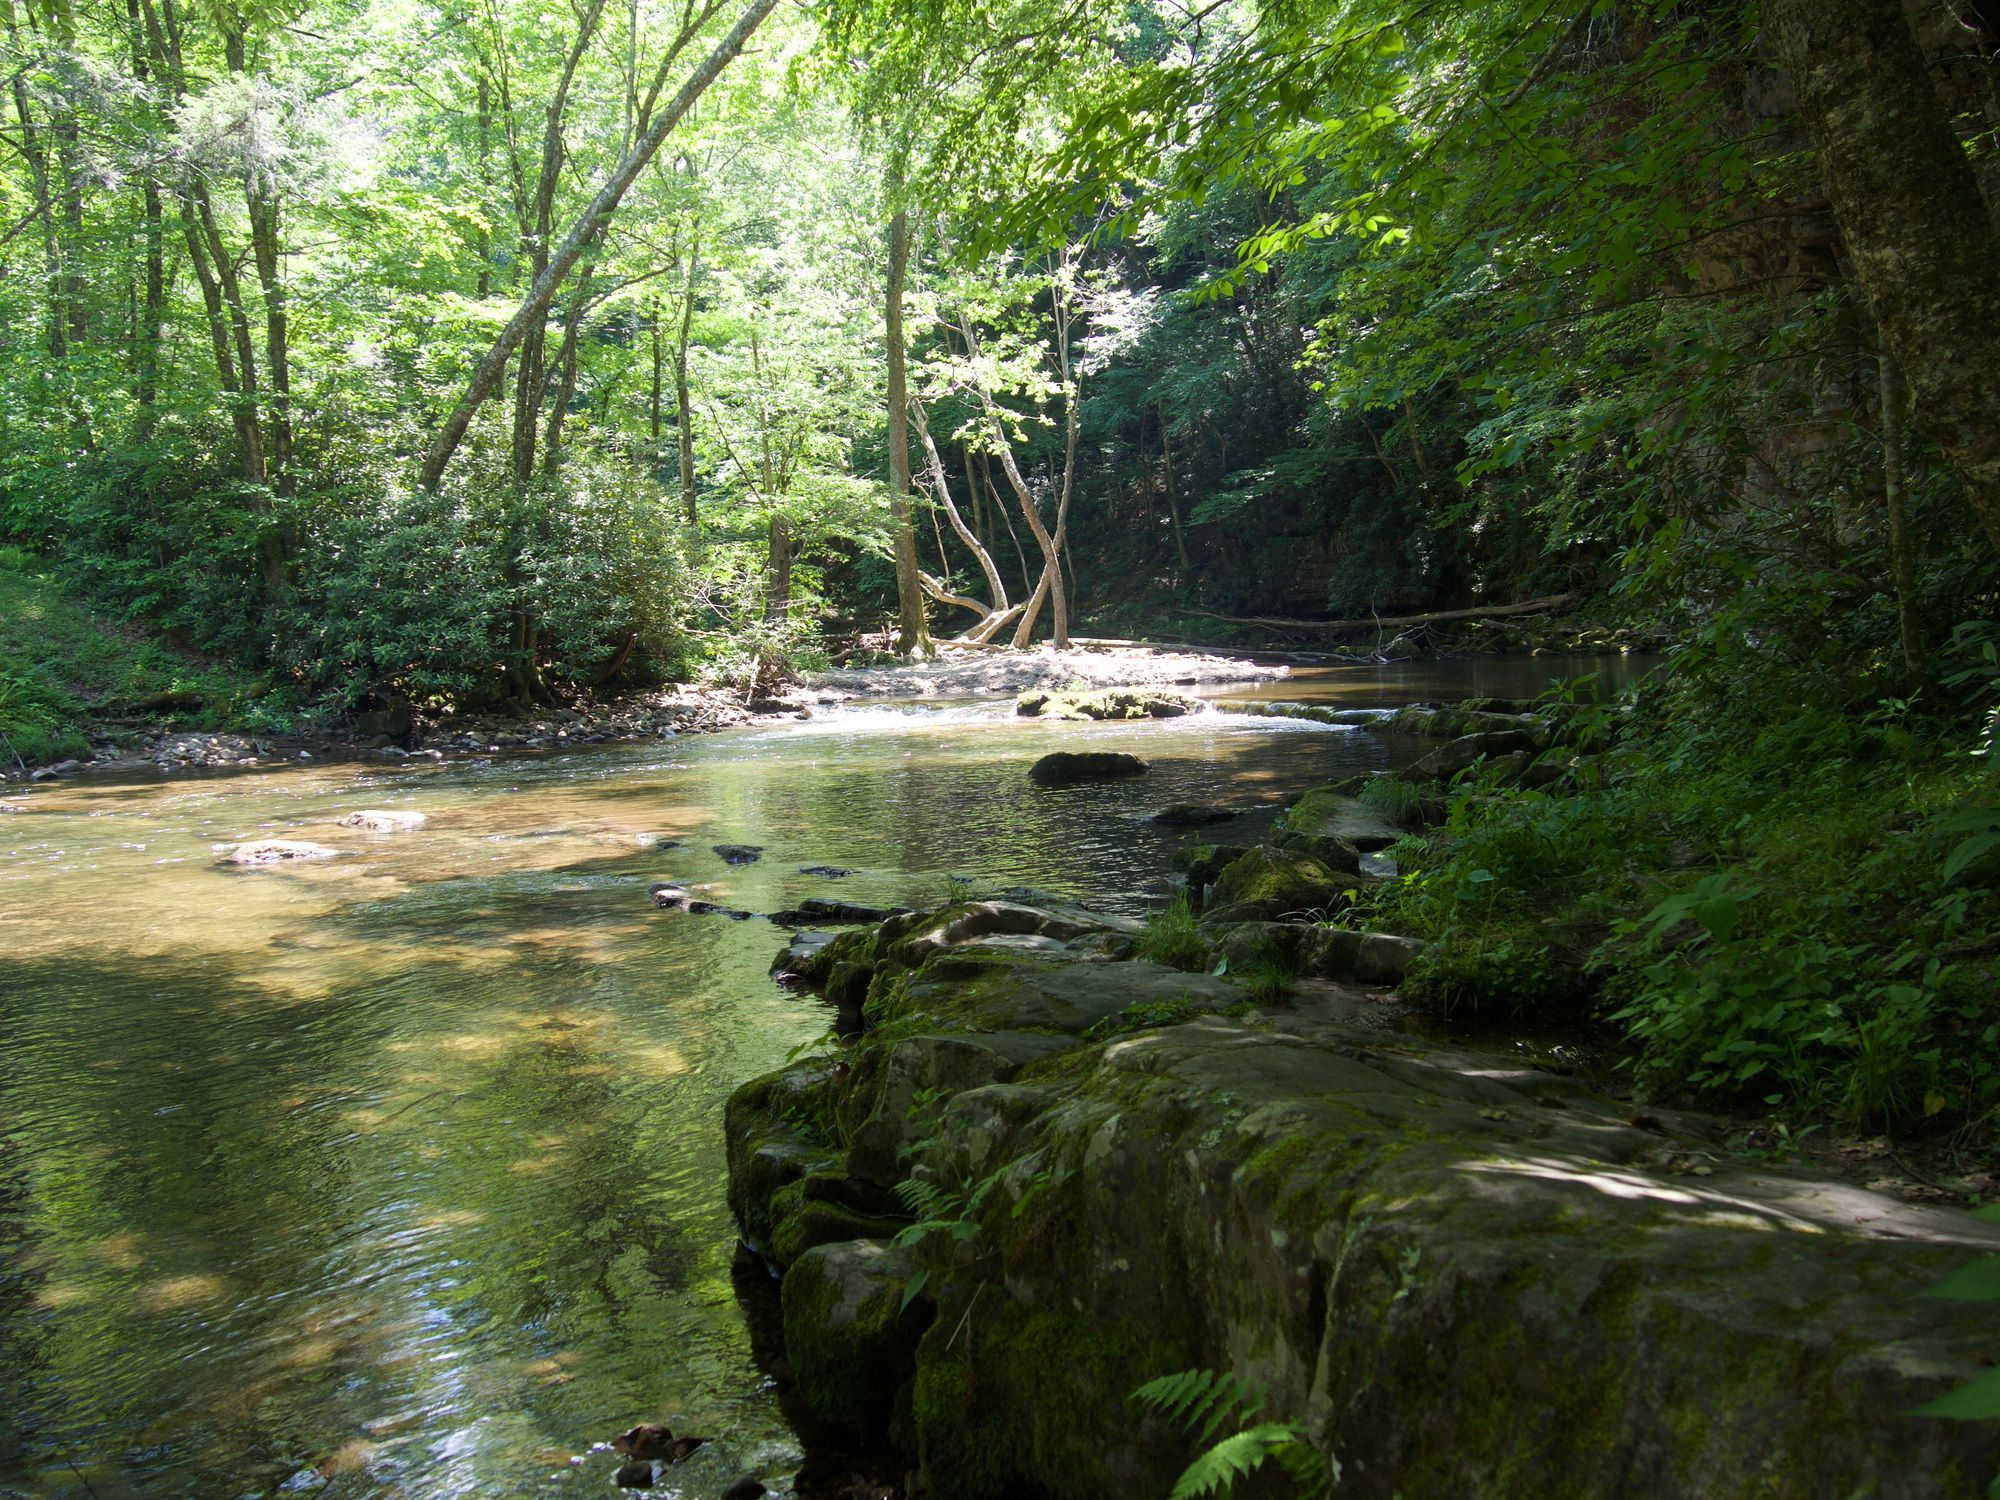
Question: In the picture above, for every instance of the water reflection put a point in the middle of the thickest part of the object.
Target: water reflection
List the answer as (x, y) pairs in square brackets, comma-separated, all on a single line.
[(401, 1174)]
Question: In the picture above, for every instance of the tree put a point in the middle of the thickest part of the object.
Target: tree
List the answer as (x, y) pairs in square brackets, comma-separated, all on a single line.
[(1911, 217), (534, 307)]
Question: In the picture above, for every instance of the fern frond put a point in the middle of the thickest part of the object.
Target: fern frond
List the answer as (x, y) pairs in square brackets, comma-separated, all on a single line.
[(1231, 1459)]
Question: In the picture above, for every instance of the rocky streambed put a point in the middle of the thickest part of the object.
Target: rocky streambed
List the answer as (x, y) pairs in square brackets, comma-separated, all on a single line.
[(1039, 1170)]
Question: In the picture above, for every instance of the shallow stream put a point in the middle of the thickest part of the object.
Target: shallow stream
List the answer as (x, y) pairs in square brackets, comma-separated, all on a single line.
[(401, 1174)]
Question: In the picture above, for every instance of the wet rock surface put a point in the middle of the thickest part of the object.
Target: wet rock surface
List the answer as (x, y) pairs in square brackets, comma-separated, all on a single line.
[(1457, 1274), (377, 820), (1079, 767), (272, 852), (1192, 815), (1109, 703)]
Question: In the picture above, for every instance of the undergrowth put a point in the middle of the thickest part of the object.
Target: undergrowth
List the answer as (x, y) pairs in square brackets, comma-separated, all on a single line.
[(1794, 906), (63, 667), (1173, 938)]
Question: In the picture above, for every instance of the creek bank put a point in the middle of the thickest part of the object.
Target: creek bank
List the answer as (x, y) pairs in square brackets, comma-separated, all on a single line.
[(998, 672), (128, 747), (1454, 1273), (1042, 1170)]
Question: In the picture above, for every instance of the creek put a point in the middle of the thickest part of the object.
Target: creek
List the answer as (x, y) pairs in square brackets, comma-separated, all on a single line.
[(401, 1174)]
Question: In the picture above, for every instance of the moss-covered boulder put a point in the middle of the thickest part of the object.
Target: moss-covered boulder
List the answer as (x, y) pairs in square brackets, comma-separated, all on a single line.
[(1107, 703), (849, 1336), (1317, 952), (1457, 1276), (1270, 882), (1082, 767), (779, 1128), (1461, 754), (1332, 814)]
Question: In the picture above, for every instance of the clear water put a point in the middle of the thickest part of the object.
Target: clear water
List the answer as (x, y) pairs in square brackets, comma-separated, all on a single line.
[(401, 1174)]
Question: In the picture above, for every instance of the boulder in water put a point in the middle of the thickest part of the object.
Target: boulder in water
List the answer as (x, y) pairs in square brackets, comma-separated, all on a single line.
[(1110, 703), (379, 820), (272, 852), (1074, 767), (1191, 815)]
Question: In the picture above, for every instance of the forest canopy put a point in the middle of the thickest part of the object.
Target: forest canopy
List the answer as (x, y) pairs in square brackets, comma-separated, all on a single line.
[(459, 353)]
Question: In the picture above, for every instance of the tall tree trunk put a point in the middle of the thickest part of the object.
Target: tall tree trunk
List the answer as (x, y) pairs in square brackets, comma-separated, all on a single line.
[(1909, 211), (35, 150), (1902, 549), (778, 569), (934, 463), (566, 381), (913, 634), (684, 404), (265, 247), (654, 425), (1174, 502), (534, 307)]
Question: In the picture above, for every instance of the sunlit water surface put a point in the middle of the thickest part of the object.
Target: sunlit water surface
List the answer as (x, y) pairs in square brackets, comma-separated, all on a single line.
[(402, 1174)]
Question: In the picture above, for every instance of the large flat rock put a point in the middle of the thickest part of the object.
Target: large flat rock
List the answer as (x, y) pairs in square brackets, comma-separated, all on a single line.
[(1458, 1276)]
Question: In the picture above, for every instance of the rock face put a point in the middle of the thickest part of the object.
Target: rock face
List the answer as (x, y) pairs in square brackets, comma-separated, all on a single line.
[(272, 852), (1111, 703), (1456, 1275), (376, 820), (1072, 767)]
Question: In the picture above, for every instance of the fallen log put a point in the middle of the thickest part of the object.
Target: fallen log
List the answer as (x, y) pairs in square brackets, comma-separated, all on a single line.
[(1393, 622)]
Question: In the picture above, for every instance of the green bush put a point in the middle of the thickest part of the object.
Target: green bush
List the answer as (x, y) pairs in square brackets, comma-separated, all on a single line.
[(1173, 937)]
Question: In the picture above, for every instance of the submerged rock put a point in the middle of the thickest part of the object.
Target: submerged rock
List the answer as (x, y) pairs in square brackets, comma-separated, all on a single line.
[(822, 909), (1191, 815), (272, 852), (378, 820), (829, 872), (740, 854), (1072, 767)]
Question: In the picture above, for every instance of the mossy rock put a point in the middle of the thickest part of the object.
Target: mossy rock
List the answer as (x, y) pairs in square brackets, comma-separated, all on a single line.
[(800, 1223), (1270, 882), (1334, 812), (1455, 1275), (1067, 768), (1109, 703), (778, 1128), (849, 1336)]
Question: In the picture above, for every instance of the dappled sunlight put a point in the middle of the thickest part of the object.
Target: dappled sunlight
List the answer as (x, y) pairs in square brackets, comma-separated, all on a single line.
[(1757, 1201), (427, 1136), (177, 1293)]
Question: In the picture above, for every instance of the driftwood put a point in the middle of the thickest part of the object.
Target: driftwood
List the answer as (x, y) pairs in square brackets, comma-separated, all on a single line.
[(1393, 622)]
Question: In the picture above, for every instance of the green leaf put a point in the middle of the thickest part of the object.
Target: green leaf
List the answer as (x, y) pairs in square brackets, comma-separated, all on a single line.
[(1978, 1282), (1975, 1401), (1231, 1459)]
